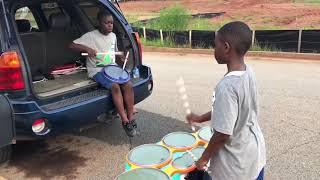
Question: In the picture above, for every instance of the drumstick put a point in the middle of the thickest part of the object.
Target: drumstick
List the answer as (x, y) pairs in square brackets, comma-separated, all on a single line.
[(103, 53), (195, 158), (125, 61), (184, 97), (192, 155)]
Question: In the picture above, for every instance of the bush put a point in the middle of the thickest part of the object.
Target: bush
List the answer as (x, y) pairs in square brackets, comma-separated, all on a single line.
[(173, 18)]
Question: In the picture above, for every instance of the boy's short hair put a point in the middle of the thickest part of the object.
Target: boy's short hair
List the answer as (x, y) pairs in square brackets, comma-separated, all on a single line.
[(238, 35), (102, 14)]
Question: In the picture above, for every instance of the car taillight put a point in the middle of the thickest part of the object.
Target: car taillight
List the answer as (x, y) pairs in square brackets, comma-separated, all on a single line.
[(11, 77), (41, 126), (139, 45)]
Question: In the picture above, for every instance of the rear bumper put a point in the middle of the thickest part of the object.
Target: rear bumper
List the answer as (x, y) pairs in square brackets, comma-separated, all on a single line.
[(76, 115)]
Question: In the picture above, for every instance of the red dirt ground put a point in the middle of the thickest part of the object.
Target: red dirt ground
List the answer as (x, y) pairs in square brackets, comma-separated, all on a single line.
[(259, 14)]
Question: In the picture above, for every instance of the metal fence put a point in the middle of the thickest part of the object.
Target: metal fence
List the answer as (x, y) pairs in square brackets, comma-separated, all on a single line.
[(304, 41)]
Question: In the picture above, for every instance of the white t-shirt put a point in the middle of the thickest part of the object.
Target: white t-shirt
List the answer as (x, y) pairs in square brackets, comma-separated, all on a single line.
[(234, 113), (99, 42)]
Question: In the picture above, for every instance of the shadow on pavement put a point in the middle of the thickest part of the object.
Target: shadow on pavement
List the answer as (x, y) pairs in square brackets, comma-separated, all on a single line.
[(153, 127), (38, 160)]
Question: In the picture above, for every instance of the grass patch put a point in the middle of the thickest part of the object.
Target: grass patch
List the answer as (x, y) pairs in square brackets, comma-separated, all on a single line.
[(202, 46), (200, 24), (258, 47), (310, 28), (316, 2), (218, 25), (168, 42), (171, 44), (268, 27), (205, 24), (132, 18), (193, 24)]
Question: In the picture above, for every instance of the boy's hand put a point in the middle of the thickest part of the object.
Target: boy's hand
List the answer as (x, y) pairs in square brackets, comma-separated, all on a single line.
[(91, 52), (193, 118), (201, 164), (122, 56)]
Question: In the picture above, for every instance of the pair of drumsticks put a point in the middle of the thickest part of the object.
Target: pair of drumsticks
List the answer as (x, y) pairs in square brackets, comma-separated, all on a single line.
[(184, 97), (116, 53)]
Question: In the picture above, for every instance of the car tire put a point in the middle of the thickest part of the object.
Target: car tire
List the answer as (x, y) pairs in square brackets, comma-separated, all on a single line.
[(5, 154)]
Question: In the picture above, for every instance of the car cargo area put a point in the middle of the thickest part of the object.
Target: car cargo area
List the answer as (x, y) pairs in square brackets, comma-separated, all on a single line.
[(62, 84), (56, 69)]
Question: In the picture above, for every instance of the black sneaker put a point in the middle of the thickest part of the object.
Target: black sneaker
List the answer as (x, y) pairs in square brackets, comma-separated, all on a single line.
[(134, 124), (198, 175), (129, 129)]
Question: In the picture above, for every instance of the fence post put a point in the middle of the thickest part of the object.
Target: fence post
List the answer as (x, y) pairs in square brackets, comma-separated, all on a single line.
[(161, 36), (299, 41), (144, 33), (253, 38), (190, 38)]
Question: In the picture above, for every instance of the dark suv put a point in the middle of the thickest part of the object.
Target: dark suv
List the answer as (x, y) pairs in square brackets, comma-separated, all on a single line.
[(34, 39)]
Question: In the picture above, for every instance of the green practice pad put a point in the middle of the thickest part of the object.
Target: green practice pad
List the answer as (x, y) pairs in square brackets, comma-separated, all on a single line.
[(143, 174), (149, 155), (186, 160), (179, 140), (205, 133)]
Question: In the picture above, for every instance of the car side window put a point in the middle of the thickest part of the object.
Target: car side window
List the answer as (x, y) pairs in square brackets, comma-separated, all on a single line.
[(25, 20)]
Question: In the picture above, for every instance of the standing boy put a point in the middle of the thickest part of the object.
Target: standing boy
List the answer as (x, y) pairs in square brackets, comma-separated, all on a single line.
[(237, 148)]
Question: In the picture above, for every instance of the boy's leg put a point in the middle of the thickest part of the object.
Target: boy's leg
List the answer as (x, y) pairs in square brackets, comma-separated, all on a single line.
[(117, 96), (128, 97), (118, 102)]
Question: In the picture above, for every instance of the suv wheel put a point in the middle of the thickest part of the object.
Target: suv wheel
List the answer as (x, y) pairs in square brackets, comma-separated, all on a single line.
[(5, 153)]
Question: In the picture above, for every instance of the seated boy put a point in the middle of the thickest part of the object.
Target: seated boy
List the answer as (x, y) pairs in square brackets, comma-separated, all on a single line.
[(104, 40)]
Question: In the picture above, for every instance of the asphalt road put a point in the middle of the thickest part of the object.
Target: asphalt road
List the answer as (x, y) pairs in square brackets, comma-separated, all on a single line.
[(289, 99)]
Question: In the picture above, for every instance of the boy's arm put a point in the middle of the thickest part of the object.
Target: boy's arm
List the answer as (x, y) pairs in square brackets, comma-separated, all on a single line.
[(82, 48), (121, 57), (216, 142), (225, 115), (193, 118), (205, 117)]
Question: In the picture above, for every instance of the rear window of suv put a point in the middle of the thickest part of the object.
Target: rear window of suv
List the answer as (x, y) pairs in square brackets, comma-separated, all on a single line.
[(91, 10), (51, 8)]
